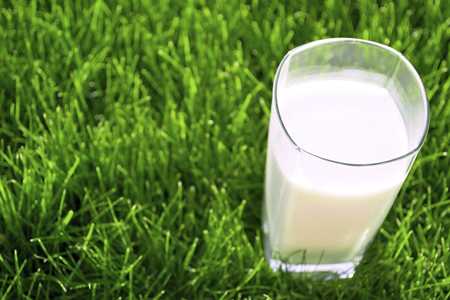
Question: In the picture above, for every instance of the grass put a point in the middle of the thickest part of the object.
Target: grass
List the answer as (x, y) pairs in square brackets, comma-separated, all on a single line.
[(132, 149)]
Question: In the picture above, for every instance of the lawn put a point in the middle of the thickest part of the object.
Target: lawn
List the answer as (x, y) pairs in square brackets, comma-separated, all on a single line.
[(133, 140)]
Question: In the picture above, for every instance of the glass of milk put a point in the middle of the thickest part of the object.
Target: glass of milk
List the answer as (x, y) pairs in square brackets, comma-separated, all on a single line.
[(348, 119)]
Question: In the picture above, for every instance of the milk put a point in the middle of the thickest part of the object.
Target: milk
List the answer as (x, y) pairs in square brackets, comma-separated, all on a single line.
[(322, 212)]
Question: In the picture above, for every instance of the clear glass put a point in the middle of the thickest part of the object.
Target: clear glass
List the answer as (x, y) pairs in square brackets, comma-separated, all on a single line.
[(325, 229)]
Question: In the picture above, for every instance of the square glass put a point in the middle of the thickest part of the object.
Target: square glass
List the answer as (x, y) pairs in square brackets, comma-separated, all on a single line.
[(321, 211)]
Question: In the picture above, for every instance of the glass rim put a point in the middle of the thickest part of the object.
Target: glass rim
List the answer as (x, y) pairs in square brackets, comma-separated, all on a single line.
[(397, 54)]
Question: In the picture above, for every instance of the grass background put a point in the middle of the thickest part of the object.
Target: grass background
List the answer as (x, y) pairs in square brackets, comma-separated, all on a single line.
[(132, 148)]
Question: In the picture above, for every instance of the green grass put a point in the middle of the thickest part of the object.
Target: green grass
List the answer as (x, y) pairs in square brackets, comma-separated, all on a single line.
[(133, 139)]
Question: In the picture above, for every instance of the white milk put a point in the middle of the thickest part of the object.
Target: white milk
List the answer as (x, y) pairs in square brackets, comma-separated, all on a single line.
[(319, 211)]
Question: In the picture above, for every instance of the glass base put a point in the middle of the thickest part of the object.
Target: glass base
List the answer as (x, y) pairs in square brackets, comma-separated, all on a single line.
[(323, 271), (320, 271)]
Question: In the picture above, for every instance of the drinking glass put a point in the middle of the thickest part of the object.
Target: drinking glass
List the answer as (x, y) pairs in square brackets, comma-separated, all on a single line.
[(324, 229)]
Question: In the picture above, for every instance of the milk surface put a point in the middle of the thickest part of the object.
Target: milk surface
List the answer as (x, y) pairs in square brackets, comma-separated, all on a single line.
[(324, 212)]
